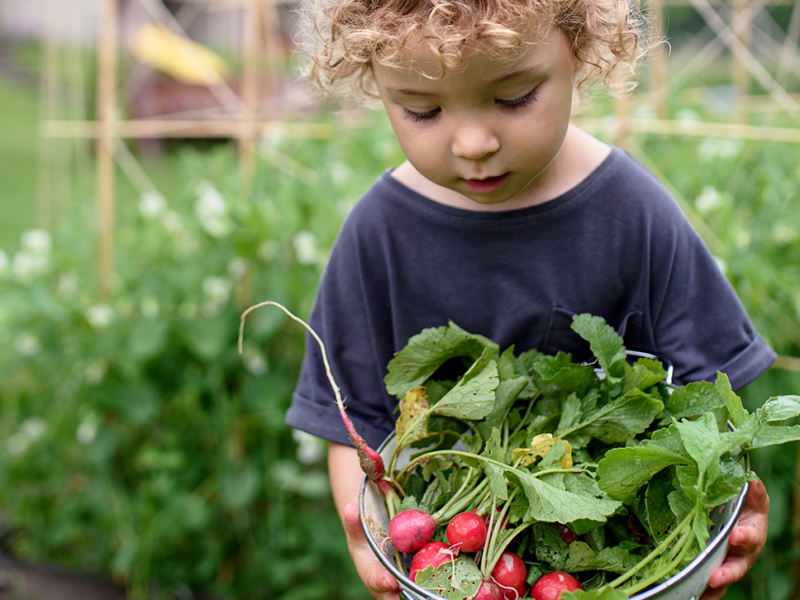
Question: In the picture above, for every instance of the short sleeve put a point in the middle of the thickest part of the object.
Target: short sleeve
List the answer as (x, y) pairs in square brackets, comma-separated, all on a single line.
[(699, 324), (341, 320)]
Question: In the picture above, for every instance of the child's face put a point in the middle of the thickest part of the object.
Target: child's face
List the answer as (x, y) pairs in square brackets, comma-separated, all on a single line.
[(489, 130)]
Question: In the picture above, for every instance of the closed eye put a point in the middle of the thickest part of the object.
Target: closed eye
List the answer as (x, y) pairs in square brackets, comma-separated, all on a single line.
[(520, 102), (423, 116)]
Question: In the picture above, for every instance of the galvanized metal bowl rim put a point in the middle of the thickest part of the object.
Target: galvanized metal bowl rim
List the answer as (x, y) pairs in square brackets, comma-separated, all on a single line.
[(720, 538)]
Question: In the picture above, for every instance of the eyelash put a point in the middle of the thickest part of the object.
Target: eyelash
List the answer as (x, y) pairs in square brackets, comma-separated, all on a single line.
[(510, 104)]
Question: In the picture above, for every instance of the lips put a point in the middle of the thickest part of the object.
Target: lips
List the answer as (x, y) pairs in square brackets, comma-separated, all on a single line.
[(487, 185)]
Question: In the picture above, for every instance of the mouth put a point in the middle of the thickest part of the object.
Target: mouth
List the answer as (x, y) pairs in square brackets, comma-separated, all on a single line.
[(486, 185)]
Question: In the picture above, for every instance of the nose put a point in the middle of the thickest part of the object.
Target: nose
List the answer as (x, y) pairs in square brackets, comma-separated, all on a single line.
[(474, 140)]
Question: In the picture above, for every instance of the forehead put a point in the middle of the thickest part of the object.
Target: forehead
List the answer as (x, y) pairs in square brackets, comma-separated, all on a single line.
[(421, 62)]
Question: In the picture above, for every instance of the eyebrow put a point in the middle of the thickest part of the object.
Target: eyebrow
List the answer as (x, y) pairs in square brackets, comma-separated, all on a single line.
[(407, 91)]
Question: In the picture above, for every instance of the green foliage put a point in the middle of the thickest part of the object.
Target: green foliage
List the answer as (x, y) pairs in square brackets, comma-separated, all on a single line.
[(134, 440)]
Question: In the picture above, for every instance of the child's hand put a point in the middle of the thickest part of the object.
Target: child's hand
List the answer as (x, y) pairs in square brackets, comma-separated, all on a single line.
[(747, 541), (380, 583)]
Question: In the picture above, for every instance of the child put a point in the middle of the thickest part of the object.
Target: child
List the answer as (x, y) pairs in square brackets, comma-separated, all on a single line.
[(505, 219)]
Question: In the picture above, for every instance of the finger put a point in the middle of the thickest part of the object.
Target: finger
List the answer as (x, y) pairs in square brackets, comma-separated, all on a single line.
[(757, 498), (746, 537), (352, 523), (374, 576), (713, 594), (731, 571)]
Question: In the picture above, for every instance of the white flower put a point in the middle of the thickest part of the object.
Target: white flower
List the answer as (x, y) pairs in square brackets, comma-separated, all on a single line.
[(68, 285), (152, 205), (721, 265), (255, 363), (340, 172), (173, 223), (708, 200), (30, 431), (305, 248), (784, 234), (87, 429), (36, 241), (187, 310), (212, 211), (216, 293), (94, 372), (310, 449), (27, 266), (267, 250), (100, 315), (716, 149), (742, 237), (216, 289), (150, 307), (27, 344), (237, 268)]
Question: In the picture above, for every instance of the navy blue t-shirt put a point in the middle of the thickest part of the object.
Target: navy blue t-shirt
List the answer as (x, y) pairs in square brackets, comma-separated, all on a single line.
[(616, 245)]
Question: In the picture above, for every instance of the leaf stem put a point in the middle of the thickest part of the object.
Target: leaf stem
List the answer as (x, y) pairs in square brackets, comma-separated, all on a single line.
[(658, 550)]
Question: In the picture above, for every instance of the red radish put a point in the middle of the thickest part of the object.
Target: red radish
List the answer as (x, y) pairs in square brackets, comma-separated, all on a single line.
[(567, 534), (467, 532), (489, 590), (411, 529), (432, 554), (371, 461), (510, 573), (551, 585)]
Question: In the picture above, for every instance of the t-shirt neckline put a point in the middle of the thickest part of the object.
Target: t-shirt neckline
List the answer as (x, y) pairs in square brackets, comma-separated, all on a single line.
[(422, 201)]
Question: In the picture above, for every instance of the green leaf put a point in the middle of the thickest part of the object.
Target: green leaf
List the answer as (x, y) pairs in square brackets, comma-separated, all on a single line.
[(473, 397), (508, 390), (427, 351), (603, 593), (619, 420), (659, 517), (553, 505), (780, 408), (454, 580), (644, 374), (701, 440), (605, 343), (736, 410), (624, 470), (729, 483), (694, 399), (773, 435), (496, 475)]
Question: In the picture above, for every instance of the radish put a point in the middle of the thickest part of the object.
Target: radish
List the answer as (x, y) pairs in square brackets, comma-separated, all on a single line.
[(467, 532), (411, 529), (432, 554), (489, 590), (510, 574), (567, 534), (551, 585), (371, 461)]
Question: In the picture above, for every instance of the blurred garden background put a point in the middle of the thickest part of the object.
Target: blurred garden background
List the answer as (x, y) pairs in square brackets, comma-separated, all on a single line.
[(162, 169)]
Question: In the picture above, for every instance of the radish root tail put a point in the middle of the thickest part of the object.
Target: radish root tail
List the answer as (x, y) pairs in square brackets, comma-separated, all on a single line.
[(371, 461)]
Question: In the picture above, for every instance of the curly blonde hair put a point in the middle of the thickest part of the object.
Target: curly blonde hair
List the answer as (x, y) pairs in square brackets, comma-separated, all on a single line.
[(607, 36)]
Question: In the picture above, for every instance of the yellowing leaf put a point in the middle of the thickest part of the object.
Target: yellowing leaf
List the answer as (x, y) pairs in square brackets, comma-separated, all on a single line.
[(540, 446), (413, 408)]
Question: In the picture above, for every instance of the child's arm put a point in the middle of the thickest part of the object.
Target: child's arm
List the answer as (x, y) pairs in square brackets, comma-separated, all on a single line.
[(747, 540), (345, 474)]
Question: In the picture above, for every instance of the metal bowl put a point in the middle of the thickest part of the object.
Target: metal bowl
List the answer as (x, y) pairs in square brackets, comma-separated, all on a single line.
[(688, 584)]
